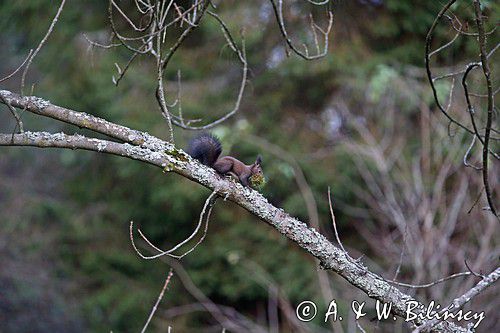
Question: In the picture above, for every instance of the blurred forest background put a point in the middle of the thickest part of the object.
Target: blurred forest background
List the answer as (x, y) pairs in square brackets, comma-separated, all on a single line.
[(361, 120)]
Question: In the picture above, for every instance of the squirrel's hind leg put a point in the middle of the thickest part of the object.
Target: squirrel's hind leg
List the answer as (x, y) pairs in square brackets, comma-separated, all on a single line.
[(223, 167)]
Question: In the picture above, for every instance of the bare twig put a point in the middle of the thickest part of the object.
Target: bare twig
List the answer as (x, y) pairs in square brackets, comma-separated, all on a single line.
[(278, 12), (467, 153), (472, 272), (18, 68), (486, 71), (459, 302), (226, 321), (333, 221), (204, 218), (241, 54), (428, 42), (121, 72), (160, 296), (42, 42), (19, 122), (430, 284), (360, 327)]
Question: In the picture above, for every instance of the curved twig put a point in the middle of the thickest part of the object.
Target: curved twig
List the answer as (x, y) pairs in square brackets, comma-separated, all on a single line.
[(204, 217), (18, 68), (278, 12), (428, 41), (241, 54)]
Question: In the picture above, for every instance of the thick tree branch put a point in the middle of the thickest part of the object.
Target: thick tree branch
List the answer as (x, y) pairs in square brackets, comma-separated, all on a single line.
[(144, 147)]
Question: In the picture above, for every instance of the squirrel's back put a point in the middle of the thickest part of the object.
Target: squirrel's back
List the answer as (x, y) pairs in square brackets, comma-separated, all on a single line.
[(206, 148)]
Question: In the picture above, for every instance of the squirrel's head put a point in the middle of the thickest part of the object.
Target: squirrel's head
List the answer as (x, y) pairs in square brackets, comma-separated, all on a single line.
[(256, 167)]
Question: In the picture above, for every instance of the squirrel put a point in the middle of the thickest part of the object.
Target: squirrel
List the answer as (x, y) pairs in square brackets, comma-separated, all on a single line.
[(207, 148)]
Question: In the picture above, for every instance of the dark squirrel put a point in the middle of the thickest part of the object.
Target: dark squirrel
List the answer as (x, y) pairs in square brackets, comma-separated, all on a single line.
[(207, 148)]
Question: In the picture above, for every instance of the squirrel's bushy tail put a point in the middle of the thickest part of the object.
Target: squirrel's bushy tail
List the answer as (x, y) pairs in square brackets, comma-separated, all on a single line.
[(206, 148)]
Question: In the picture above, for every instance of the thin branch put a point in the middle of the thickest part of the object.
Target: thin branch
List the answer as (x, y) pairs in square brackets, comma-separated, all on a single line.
[(204, 217), (278, 12), (241, 54), (218, 314), (42, 42), (472, 272), (360, 327), (459, 302), (467, 153), (445, 45), (430, 284), (18, 68), (19, 122), (99, 45), (333, 221), (471, 110), (461, 31), (428, 42), (184, 35), (162, 102), (121, 72), (486, 71), (129, 21), (153, 310)]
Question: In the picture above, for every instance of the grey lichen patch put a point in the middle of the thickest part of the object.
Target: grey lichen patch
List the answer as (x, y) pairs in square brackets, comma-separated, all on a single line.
[(58, 136), (33, 136), (136, 138), (100, 144), (143, 153), (153, 143), (5, 93), (42, 139), (38, 102)]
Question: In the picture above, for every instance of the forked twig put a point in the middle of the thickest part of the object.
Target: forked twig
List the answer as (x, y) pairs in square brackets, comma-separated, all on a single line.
[(204, 217), (278, 12)]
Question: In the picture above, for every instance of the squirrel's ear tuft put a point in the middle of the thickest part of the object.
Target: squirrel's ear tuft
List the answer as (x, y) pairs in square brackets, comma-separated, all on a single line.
[(258, 160)]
